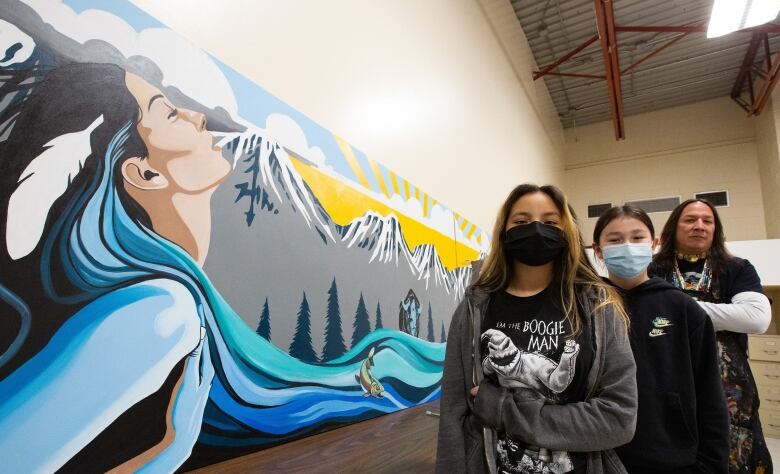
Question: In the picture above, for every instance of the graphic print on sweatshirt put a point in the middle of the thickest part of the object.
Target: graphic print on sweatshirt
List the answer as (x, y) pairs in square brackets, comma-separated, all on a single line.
[(660, 325), (524, 346), (696, 279)]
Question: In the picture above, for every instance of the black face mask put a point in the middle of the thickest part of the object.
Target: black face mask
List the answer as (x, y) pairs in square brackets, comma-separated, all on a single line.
[(535, 243)]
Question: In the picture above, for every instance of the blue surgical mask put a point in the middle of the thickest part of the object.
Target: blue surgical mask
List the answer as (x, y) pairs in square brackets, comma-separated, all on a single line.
[(628, 260)]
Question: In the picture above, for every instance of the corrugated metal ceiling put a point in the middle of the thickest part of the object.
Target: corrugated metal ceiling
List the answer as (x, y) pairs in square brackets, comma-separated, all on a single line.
[(693, 69)]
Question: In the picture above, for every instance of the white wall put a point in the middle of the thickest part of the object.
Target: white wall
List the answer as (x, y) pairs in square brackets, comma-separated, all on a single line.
[(764, 255), (425, 87), (768, 142), (706, 146)]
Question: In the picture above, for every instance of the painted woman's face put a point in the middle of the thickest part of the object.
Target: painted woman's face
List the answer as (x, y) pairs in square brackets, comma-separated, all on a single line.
[(180, 148)]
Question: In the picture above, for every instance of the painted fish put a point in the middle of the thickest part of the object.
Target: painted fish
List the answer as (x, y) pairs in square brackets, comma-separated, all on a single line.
[(370, 384)]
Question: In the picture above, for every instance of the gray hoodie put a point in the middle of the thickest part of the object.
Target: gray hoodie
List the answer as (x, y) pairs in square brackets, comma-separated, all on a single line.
[(468, 425)]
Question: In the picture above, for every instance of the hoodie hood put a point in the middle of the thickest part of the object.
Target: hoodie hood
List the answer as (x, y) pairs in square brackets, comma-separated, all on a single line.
[(653, 285), (477, 295)]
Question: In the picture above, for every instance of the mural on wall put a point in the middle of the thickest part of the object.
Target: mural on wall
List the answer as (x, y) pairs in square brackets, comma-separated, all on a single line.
[(192, 269)]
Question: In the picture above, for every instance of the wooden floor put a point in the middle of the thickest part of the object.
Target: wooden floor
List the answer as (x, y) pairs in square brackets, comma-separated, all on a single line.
[(399, 442)]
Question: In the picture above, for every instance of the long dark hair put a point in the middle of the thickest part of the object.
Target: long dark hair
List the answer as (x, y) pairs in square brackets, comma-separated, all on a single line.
[(43, 105), (572, 268), (626, 210), (663, 262)]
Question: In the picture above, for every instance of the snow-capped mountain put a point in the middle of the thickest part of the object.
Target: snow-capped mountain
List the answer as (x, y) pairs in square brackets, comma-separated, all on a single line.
[(383, 237), (380, 235), (461, 277), (272, 182), (267, 165), (429, 267)]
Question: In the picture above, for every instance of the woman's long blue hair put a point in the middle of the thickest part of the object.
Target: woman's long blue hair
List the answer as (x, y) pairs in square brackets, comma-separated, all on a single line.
[(260, 394)]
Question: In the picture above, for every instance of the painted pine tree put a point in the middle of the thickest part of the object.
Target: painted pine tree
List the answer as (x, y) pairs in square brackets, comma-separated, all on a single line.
[(378, 324), (334, 341), (443, 337), (301, 347), (431, 336), (362, 326), (264, 326)]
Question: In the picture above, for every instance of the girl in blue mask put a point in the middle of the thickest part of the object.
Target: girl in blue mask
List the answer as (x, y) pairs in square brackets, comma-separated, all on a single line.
[(682, 423)]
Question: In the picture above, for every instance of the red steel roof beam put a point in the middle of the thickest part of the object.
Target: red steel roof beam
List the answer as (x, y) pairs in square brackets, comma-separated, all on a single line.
[(605, 20), (766, 88), (747, 64), (546, 70)]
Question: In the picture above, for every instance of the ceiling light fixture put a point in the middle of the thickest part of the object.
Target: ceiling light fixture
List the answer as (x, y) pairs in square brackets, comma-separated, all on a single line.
[(734, 15)]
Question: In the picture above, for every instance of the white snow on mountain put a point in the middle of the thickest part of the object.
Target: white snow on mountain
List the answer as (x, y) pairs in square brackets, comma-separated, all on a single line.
[(429, 266), (380, 235), (461, 277), (243, 145)]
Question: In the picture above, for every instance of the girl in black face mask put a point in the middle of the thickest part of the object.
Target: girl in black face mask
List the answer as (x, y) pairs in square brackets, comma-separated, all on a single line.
[(539, 374)]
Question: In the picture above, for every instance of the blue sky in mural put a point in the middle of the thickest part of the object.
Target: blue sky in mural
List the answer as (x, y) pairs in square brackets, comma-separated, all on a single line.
[(254, 103), (136, 17)]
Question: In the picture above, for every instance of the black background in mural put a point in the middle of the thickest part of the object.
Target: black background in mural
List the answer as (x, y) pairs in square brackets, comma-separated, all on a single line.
[(114, 445)]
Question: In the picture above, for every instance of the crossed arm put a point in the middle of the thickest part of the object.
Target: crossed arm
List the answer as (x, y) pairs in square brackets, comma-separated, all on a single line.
[(749, 312), (605, 421)]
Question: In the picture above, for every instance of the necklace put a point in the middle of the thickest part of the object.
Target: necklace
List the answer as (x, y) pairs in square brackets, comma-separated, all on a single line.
[(691, 257), (701, 286)]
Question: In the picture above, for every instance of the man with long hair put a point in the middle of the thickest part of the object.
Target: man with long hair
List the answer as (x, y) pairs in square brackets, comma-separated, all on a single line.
[(693, 257)]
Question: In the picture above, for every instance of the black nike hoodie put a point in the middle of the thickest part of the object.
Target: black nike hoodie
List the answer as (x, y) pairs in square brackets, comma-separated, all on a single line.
[(682, 422)]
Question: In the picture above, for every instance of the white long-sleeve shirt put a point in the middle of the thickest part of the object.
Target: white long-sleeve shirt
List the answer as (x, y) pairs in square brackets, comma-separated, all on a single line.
[(749, 312)]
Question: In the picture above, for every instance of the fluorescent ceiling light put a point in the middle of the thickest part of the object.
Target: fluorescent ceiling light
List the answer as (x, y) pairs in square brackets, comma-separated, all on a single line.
[(733, 15)]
